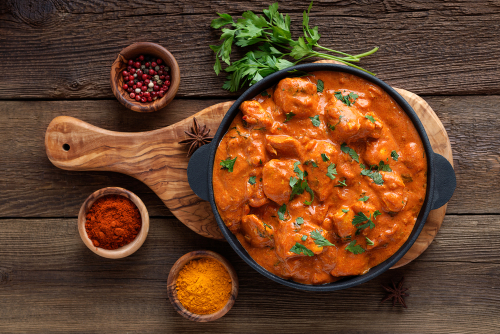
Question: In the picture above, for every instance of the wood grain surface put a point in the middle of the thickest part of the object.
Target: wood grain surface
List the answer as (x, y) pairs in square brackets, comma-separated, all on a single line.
[(55, 60)]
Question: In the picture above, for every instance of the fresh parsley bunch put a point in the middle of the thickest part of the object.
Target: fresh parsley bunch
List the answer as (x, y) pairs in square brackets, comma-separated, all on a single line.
[(272, 31)]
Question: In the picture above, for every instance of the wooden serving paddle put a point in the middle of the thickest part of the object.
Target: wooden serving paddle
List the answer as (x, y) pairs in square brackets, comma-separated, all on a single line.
[(156, 158)]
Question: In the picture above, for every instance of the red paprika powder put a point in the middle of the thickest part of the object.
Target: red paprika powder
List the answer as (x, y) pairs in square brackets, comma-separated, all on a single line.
[(113, 221)]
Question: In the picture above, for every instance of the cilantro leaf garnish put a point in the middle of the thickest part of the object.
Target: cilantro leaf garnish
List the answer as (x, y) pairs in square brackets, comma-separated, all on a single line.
[(272, 32), (315, 121), (281, 212), (299, 220), (251, 180), (354, 249), (320, 86), (325, 157), (369, 242), (395, 155), (228, 164), (264, 93), (268, 226), (304, 238), (374, 175), (363, 199), (376, 213), (311, 162), (370, 118), (384, 167), (309, 190), (319, 239), (297, 170), (289, 116), (360, 218), (298, 248), (341, 183), (350, 151), (330, 171), (348, 99), (298, 186), (345, 210)]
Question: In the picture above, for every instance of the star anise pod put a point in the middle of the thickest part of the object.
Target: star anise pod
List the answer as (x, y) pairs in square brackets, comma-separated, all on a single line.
[(197, 137), (396, 292)]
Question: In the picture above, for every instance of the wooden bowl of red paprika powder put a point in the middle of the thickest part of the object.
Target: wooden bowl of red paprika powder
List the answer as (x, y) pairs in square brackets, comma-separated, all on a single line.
[(113, 222)]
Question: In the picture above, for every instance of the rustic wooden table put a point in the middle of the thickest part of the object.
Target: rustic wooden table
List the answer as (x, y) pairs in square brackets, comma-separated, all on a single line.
[(55, 57)]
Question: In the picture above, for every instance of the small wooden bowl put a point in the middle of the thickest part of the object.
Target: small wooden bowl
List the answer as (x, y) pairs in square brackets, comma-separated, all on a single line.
[(122, 251), (172, 282), (120, 64)]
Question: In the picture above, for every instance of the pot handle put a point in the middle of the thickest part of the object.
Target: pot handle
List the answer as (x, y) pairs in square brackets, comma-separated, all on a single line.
[(197, 171), (445, 181)]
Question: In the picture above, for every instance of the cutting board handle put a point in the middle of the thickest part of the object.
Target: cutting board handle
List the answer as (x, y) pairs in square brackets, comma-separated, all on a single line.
[(198, 171)]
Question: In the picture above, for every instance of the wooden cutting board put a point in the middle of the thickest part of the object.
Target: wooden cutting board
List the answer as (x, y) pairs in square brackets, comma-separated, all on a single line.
[(156, 158)]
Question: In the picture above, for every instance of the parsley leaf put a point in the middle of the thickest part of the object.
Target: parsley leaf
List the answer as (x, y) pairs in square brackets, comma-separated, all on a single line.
[(320, 86), (299, 220), (331, 170), (345, 210), (325, 157), (289, 116), (354, 249), (304, 238), (297, 170), (342, 183), (228, 164), (319, 239), (268, 226), (360, 218), (251, 180), (395, 155), (281, 212), (370, 118), (309, 190), (311, 162), (264, 93), (363, 199), (348, 99), (301, 249), (350, 151), (376, 213), (374, 175), (384, 167), (369, 242), (315, 121), (298, 187)]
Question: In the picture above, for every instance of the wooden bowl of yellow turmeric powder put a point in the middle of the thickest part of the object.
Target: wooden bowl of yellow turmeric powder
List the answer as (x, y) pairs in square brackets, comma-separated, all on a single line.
[(202, 286)]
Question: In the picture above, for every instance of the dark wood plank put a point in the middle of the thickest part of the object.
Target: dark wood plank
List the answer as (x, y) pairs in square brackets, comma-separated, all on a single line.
[(68, 46), (32, 187), (49, 281)]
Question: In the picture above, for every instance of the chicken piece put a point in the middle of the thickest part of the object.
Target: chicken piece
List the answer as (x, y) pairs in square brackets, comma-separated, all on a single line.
[(348, 124), (342, 223), (284, 146), (256, 232), (380, 150), (253, 113), (391, 192), (256, 149), (290, 233), (413, 157), (256, 195), (297, 95), (276, 176), (319, 181)]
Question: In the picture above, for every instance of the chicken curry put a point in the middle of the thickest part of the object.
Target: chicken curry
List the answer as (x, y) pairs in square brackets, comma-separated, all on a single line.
[(320, 177)]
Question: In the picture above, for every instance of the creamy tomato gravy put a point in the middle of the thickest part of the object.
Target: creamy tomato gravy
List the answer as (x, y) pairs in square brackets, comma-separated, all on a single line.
[(362, 212)]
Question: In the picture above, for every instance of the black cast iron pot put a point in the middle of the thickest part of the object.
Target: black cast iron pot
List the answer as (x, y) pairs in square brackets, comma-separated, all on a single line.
[(441, 181)]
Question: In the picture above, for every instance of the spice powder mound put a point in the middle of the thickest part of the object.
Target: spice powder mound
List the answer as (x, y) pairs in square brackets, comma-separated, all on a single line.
[(203, 286), (113, 221)]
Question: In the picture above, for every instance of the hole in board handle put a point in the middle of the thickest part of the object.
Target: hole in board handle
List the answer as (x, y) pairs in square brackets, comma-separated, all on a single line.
[(66, 147)]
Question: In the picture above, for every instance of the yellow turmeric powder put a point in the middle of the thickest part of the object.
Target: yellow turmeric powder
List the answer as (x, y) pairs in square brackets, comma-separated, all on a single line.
[(203, 286)]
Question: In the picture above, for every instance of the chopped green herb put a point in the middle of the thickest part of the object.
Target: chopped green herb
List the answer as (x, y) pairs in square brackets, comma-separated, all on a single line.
[(374, 175), (304, 238), (320, 86), (279, 129), (269, 226), (315, 121), (281, 212), (309, 190), (228, 164), (297, 170), (260, 161), (325, 157), (251, 180), (299, 220), (262, 128), (384, 167), (345, 210), (301, 249), (241, 134), (330, 171), (289, 116), (363, 199), (260, 180), (350, 151), (342, 183), (369, 242), (331, 127), (376, 213), (360, 218), (319, 239), (264, 93), (370, 118), (311, 162), (354, 249), (395, 155), (348, 99)]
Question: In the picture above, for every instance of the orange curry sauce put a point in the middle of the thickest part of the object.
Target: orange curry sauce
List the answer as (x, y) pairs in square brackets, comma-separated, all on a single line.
[(362, 212)]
